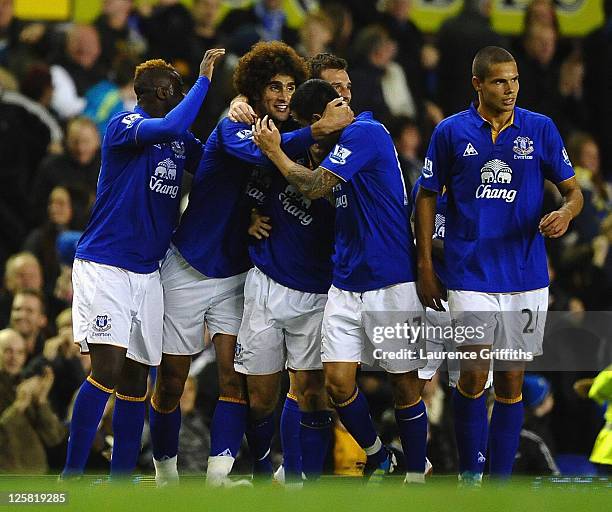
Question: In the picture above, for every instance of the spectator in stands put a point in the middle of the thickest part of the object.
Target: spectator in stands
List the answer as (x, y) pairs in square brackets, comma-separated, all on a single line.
[(20, 42), (380, 84), (27, 423), (205, 17), (79, 166), (316, 34), (108, 98), (459, 39), (597, 52), (535, 455), (194, 439), (342, 17), (168, 28), (24, 140), (266, 18), (76, 71), (67, 208), (117, 26), (407, 139), (22, 271), (63, 356), (29, 319)]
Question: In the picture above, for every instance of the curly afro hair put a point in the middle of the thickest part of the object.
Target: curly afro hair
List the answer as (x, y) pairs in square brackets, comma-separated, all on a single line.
[(265, 59)]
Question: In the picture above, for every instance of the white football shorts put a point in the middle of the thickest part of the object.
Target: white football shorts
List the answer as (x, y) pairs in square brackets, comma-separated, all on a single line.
[(114, 306)]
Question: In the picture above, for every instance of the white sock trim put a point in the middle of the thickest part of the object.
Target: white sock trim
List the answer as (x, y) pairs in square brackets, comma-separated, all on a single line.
[(375, 448)]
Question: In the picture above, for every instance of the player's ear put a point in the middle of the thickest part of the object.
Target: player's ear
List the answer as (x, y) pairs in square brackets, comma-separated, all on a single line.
[(476, 83), (315, 118)]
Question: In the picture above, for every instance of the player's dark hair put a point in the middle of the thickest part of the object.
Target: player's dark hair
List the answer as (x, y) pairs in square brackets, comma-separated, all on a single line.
[(256, 68), (311, 98), (488, 56), (148, 74), (322, 61)]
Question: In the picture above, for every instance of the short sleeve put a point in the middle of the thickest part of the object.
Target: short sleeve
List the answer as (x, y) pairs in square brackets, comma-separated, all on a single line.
[(122, 130), (353, 152), (557, 165), (437, 161)]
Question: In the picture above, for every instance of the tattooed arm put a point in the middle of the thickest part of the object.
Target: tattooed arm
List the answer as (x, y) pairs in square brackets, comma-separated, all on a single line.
[(312, 184)]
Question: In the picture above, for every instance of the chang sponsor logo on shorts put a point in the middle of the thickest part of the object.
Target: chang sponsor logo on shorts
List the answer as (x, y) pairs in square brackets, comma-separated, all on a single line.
[(494, 173), (164, 172), (296, 204)]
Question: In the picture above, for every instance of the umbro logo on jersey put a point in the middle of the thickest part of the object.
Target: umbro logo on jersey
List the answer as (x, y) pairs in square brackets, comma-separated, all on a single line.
[(470, 150)]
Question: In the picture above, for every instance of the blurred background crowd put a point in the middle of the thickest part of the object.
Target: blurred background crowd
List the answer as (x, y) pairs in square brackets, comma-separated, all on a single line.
[(61, 82)]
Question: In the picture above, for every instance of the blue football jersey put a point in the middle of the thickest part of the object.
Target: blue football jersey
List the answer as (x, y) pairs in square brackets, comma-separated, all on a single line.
[(439, 224), (374, 246), (297, 254), (495, 192), (212, 234), (137, 197)]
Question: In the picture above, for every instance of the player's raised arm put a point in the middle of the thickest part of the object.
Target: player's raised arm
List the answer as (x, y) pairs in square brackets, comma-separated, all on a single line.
[(155, 96), (428, 285), (555, 224), (312, 184)]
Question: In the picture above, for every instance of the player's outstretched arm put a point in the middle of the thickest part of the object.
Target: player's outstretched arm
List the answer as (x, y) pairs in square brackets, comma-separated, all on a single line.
[(312, 184), (429, 287), (555, 224), (181, 117)]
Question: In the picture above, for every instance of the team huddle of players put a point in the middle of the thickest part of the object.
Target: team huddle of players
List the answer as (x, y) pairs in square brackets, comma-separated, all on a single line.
[(296, 244)]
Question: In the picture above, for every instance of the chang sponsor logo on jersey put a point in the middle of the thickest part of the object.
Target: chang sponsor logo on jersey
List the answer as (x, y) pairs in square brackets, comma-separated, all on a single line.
[(341, 199), (495, 172), (164, 172), (296, 204)]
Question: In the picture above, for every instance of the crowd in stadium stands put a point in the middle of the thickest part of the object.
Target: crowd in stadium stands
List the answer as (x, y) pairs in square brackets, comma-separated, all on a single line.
[(60, 83)]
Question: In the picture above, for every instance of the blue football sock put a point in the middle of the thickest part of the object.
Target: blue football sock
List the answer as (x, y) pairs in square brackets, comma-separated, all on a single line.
[(227, 427), (128, 422), (86, 415), (484, 446), (165, 428), (412, 425), (470, 417), (506, 424), (355, 416), (259, 436), (290, 439), (314, 437)]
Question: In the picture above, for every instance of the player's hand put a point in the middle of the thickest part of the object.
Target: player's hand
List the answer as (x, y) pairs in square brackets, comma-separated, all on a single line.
[(266, 135), (260, 227), (430, 290), (336, 116), (555, 224), (241, 112), (208, 62), (582, 387)]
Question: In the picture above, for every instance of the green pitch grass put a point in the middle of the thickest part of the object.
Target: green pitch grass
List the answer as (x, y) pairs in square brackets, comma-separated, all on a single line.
[(330, 495)]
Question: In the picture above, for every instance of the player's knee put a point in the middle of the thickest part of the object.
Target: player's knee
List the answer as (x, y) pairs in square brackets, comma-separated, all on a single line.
[(313, 399), (133, 379), (261, 402), (508, 384), (231, 384), (338, 389), (406, 389), (106, 364), (473, 382), (168, 391)]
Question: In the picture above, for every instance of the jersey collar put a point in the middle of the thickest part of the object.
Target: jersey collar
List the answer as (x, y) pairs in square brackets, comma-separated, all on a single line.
[(515, 120), (138, 109)]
